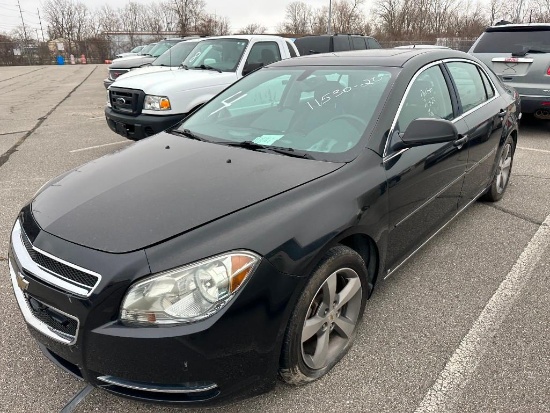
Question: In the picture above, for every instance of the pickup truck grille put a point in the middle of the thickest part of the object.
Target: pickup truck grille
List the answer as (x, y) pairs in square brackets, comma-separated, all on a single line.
[(129, 101)]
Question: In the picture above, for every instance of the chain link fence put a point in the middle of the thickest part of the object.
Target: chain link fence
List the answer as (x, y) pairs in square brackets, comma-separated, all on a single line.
[(100, 49), (457, 43)]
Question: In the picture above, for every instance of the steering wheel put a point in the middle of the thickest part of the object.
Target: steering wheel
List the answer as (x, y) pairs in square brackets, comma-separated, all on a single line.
[(356, 121)]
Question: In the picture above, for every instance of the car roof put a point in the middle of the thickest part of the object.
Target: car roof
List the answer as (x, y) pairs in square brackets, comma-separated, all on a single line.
[(373, 57), (511, 27)]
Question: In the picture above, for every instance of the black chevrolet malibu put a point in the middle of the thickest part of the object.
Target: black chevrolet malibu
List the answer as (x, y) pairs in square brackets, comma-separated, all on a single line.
[(200, 264)]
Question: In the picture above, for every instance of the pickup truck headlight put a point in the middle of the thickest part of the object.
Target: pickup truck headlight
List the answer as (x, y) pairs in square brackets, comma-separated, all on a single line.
[(190, 293), (153, 102)]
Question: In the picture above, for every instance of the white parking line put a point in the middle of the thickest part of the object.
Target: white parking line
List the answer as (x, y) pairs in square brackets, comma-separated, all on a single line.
[(533, 149), (442, 396), (97, 146)]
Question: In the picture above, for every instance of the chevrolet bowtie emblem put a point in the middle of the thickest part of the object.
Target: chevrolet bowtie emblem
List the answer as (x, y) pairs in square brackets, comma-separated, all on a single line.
[(21, 282)]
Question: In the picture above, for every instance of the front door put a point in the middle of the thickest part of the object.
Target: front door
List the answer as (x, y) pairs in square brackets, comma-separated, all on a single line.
[(425, 182)]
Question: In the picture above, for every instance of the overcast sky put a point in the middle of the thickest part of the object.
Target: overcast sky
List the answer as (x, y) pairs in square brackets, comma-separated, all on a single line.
[(239, 12)]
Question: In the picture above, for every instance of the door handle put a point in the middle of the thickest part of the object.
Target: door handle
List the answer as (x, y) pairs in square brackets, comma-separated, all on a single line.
[(502, 113), (462, 139)]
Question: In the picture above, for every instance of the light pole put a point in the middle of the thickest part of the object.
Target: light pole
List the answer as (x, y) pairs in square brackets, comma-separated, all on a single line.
[(329, 16)]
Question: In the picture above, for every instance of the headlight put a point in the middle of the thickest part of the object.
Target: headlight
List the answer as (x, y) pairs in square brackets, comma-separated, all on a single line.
[(108, 98), (156, 103), (189, 293)]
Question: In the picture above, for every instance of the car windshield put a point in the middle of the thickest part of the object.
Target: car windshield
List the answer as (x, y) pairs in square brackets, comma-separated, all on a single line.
[(319, 111), (161, 47), (219, 54), (147, 49), (513, 40), (175, 55), (136, 49)]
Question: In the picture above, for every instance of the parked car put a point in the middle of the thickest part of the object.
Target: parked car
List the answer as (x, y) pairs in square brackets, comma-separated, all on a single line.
[(334, 43), (135, 51), (141, 106), (196, 265), (171, 59), (520, 55), (125, 64)]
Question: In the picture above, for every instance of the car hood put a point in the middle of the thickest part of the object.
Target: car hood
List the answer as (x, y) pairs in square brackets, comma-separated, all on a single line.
[(144, 70), (131, 61), (171, 81), (162, 187)]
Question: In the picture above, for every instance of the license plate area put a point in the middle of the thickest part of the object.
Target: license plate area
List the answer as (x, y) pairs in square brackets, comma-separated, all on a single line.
[(121, 129)]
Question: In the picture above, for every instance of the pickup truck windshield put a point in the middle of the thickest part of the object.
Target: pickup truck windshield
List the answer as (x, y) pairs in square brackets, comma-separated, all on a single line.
[(161, 47), (322, 112), (175, 55), (220, 54)]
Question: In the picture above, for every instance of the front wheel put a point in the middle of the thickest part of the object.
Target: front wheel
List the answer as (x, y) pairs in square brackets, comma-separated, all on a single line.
[(503, 172), (324, 322)]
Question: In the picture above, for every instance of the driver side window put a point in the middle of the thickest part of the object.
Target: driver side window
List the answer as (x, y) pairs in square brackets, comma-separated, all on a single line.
[(428, 97)]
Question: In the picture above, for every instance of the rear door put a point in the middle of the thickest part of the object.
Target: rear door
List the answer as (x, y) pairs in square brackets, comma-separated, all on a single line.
[(483, 110)]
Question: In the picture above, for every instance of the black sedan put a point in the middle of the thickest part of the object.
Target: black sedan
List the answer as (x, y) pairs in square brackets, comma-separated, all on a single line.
[(198, 265)]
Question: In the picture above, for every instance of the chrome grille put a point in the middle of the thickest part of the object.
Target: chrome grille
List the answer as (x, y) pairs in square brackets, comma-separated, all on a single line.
[(54, 271), (57, 267)]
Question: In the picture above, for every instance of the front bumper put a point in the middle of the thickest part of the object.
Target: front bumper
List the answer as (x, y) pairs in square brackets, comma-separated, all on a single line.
[(140, 126), (107, 82), (233, 354)]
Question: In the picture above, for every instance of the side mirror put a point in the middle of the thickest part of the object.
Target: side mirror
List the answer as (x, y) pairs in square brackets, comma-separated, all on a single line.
[(250, 67), (425, 131)]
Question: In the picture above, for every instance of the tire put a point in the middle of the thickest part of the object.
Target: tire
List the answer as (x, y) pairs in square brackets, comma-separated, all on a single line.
[(329, 331), (502, 174)]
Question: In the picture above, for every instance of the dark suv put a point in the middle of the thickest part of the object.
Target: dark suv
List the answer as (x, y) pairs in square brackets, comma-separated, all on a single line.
[(520, 55), (335, 43)]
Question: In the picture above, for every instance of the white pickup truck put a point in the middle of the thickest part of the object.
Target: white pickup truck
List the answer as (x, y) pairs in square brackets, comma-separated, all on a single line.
[(143, 105)]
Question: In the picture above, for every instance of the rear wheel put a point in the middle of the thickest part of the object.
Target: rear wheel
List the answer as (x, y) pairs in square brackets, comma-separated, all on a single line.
[(503, 172), (324, 322)]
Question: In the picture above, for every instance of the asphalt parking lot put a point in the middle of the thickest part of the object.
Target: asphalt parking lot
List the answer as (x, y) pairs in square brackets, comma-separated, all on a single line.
[(462, 327)]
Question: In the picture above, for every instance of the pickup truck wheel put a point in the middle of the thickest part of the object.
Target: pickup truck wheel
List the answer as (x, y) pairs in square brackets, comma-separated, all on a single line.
[(324, 322)]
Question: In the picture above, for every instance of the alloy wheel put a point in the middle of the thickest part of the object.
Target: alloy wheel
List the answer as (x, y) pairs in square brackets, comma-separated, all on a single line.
[(331, 318), (504, 166)]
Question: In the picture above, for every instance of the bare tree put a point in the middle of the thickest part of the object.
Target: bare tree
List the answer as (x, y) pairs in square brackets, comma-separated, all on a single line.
[(67, 19), (319, 20), (189, 14), (347, 16), (213, 25), (298, 18), (253, 28)]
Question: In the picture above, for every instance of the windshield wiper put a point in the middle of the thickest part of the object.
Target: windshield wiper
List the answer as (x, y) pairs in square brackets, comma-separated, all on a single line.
[(246, 144), (206, 67), (266, 148), (182, 66), (291, 152), (188, 134), (525, 52)]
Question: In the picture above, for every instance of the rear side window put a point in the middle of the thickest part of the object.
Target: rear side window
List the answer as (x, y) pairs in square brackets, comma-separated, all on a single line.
[(488, 86), (264, 53), (512, 40), (358, 43), (312, 45), (468, 83), (341, 43), (373, 44)]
